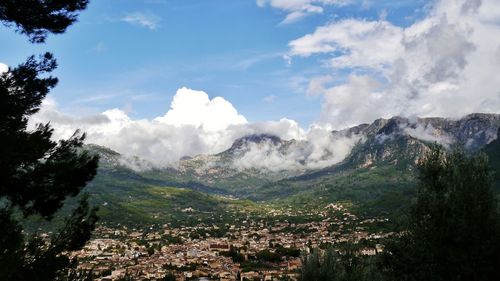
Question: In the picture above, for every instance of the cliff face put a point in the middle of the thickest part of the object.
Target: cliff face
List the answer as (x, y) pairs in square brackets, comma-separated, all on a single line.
[(493, 152), (401, 141)]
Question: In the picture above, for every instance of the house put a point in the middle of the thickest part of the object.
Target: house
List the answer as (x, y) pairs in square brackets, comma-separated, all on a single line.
[(219, 247)]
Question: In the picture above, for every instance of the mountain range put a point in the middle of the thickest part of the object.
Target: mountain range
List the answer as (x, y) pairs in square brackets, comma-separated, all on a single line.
[(374, 170)]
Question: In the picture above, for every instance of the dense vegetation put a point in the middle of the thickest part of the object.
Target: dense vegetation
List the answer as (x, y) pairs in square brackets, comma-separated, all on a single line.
[(337, 265)]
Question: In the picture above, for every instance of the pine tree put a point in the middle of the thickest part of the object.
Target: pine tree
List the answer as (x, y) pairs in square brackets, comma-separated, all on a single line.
[(37, 174), (453, 229), (38, 18), (335, 266)]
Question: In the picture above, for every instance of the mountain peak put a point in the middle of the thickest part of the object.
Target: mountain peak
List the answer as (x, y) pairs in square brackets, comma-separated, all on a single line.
[(256, 139)]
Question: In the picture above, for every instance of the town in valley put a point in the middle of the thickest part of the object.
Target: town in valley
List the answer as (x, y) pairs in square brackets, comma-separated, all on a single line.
[(250, 248)]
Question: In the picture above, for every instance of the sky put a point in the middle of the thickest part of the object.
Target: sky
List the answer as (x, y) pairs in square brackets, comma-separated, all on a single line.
[(166, 78)]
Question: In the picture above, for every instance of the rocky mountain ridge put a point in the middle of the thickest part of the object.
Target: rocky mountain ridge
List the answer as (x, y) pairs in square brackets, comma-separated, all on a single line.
[(258, 159), (395, 140), (401, 140)]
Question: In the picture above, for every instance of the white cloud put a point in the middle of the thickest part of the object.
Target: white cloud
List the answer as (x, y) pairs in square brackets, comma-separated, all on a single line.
[(3, 67), (354, 102), (445, 64), (428, 133), (298, 9), (146, 20), (320, 148), (193, 125), (356, 43), (196, 124), (195, 108)]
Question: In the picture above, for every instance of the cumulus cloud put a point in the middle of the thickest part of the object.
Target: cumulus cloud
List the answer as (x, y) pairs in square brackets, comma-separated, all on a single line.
[(194, 124), (194, 108), (445, 64), (298, 9)]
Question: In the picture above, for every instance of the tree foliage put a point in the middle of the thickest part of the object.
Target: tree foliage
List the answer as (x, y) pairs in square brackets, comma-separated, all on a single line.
[(453, 229), (37, 174), (338, 266), (268, 256), (37, 18), (169, 277)]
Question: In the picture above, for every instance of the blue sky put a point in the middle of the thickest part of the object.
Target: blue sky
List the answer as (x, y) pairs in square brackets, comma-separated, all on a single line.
[(135, 54)]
